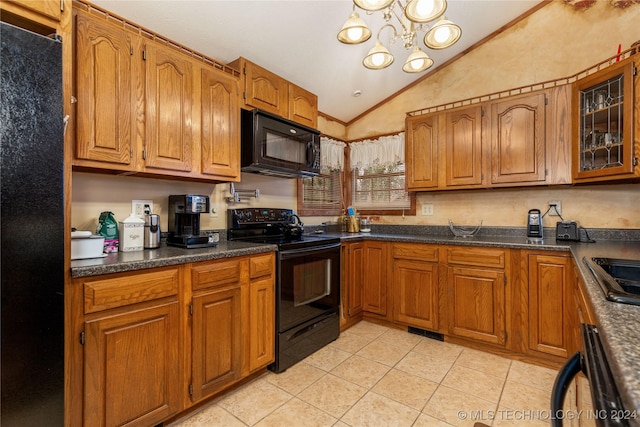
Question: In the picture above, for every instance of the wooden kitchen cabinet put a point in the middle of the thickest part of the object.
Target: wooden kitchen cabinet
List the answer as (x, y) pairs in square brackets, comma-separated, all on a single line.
[(551, 304), (518, 140), (31, 13), (269, 92), (216, 332), (464, 150), (104, 82), (524, 140), (303, 106), (146, 105), (132, 367), (130, 342), (261, 322), (261, 311), (374, 278), (168, 108), (352, 267), (421, 152), (603, 129), (415, 284), (476, 292), (220, 125), (233, 321)]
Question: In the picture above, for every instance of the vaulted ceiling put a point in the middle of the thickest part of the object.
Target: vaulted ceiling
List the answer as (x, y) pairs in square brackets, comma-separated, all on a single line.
[(297, 40)]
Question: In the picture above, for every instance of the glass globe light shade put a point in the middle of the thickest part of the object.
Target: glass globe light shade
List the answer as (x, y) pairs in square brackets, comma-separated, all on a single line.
[(378, 57), (425, 10)]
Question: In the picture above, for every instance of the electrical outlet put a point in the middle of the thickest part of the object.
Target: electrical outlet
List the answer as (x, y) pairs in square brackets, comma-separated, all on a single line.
[(427, 209), (137, 207), (555, 208), (213, 212)]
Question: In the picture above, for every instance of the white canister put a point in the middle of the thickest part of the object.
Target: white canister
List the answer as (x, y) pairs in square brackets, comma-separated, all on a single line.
[(131, 234)]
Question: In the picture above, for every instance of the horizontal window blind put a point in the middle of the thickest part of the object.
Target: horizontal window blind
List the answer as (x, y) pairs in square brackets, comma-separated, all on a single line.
[(322, 192), (379, 187)]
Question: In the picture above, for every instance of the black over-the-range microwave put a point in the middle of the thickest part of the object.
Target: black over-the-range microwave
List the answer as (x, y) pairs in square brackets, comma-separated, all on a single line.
[(272, 145)]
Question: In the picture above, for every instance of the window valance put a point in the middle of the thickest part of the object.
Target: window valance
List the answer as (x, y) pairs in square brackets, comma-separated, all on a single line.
[(331, 154), (383, 151)]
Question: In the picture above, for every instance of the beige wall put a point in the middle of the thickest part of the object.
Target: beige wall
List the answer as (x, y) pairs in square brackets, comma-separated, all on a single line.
[(94, 193), (555, 42)]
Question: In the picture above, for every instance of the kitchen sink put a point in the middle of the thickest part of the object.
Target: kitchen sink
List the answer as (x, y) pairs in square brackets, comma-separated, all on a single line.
[(618, 278)]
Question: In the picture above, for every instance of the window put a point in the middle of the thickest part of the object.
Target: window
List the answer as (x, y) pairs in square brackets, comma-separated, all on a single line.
[(377, 178), (322, 194), (374, 183), (379, 187)]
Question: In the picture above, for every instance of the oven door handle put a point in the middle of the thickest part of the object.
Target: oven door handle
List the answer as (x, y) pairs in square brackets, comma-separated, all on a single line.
[(571, 368), (293, 253)]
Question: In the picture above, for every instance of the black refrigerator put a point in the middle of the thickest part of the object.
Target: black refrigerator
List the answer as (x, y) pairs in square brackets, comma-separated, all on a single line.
[(31, 230)]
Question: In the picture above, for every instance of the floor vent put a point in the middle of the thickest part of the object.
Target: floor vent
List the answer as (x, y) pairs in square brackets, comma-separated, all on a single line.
[(428, 334)]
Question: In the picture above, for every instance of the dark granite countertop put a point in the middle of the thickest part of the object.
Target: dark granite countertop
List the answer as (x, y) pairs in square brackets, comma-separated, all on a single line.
[(163, 256), (619, 324)]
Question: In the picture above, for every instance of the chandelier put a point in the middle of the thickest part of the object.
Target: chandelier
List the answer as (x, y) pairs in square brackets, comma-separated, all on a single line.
[(412, 18)]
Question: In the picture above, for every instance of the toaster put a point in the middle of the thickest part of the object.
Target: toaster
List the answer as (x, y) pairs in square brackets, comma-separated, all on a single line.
[(567, 230)]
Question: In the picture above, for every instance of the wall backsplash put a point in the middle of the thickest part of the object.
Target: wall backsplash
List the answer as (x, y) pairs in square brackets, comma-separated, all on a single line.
[(94, 193), (595, 206)]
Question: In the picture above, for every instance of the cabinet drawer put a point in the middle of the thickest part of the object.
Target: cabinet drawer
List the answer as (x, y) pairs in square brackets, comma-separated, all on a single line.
[(483, 257), (216, 273), (262, 265), (415, 251), (103, 294)]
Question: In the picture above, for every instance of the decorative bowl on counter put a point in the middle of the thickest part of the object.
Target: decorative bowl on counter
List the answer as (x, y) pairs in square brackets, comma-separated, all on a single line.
[(464, 230)]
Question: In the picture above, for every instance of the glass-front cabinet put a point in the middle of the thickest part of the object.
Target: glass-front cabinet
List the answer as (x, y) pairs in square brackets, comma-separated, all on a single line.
[(603, 106)]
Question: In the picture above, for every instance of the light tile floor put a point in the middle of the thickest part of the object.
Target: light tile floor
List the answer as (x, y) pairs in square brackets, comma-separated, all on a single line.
[(378, 376)]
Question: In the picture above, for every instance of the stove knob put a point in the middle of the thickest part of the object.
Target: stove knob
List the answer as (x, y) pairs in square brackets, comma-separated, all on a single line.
[(249, 215)]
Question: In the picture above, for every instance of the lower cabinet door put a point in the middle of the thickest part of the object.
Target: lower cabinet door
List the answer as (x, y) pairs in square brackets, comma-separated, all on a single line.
[(132, 367), (261, 323), (415, 290), (217, 341), (550, 301), (477, 304)]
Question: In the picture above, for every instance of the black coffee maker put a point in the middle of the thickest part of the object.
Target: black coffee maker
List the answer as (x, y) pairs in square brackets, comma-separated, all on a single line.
[(184, 221)]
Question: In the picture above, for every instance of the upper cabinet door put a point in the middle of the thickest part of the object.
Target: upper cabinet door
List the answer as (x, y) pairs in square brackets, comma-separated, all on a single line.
[(603, 106), (104, 91), (518, 140), (266, 90), (169, 99), (303, 106), (421, 152), (220, 125), (464, 147)]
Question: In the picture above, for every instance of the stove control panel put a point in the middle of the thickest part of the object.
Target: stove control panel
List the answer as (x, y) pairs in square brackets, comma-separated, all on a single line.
[(236, 218)]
